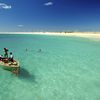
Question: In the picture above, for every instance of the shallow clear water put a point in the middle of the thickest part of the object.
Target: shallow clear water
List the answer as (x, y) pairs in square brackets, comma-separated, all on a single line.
[(66, 68)]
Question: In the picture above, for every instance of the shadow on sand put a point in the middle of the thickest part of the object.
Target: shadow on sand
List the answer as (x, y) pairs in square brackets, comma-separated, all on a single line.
[(25, 75)]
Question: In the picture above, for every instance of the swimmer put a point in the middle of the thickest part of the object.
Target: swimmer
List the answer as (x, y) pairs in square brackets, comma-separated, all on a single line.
[(40, 50)]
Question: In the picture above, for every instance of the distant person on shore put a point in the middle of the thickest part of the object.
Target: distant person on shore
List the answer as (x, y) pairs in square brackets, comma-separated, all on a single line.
[(11, 58), (5, 53)]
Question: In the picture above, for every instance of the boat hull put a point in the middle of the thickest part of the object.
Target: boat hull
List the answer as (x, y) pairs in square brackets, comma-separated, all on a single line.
[(14, 68)]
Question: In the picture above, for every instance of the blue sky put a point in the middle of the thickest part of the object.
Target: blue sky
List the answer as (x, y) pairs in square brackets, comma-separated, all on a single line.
[(49, 15)]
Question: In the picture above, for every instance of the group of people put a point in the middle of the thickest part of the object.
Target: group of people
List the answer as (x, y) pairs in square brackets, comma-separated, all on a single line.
[(6, 57)]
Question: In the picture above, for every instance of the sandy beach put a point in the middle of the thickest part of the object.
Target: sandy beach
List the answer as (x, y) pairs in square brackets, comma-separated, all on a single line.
[(91, 35)]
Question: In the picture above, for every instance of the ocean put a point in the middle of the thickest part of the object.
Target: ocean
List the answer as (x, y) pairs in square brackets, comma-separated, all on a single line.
[(51, 68)]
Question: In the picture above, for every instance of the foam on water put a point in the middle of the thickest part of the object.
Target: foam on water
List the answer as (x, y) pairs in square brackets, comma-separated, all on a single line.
[(66, 68)]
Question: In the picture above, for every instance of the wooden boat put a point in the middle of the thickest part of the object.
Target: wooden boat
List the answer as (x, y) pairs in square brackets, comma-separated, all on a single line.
[(10, 66)]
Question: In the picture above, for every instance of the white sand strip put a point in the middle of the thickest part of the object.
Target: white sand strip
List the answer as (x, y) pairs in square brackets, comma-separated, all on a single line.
[(92, 35)]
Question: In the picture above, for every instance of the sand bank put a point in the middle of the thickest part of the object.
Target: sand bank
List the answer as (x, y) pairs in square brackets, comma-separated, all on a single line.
[(92, 35)]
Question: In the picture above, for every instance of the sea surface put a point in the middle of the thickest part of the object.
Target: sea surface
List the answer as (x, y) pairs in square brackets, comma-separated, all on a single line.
[(52, 68)]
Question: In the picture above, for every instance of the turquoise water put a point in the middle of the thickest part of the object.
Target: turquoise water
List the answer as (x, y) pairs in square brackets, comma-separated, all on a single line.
[(66, 68)]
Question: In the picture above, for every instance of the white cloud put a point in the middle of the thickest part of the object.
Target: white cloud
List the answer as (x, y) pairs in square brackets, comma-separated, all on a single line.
[(20, 25), (48, 3), (4, 6)]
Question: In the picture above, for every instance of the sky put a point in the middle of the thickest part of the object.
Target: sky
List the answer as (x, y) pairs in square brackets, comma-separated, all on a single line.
[(49, 15)]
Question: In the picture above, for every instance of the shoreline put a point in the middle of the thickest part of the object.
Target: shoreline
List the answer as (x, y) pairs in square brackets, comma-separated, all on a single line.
[(90, 35)]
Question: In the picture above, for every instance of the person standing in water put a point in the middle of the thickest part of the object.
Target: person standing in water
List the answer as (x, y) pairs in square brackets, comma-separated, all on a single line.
[(5, 53)]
